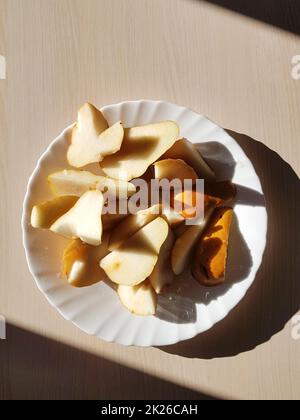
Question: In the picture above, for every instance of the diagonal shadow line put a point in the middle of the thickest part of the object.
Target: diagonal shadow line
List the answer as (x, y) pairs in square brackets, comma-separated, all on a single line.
[(284, 14), (34, 367)]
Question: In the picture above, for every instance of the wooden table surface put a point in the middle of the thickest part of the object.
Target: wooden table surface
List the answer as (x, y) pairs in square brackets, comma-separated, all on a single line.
[(234, 68)]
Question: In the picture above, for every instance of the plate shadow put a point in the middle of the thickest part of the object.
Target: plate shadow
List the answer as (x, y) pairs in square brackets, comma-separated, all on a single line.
[(275, 295), (178, 303)]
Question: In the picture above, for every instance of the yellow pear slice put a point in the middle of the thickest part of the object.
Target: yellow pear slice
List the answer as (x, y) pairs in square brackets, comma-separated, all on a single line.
[(209, 266), (129, 226), (112, 216), (132, 223), (174, 169), (43, 215), (184, 246), (163, 275), (81, 262), (173, 218), (83, 221), (184, 149), (141, 147), (136, 258), (140, 299), (75, 182), (92, 139)]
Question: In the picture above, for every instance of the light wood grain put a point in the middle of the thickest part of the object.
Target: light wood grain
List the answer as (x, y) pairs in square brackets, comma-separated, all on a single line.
[(235, 70)]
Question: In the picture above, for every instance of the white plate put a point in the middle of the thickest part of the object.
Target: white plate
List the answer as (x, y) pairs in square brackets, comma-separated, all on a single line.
[(189, 308)]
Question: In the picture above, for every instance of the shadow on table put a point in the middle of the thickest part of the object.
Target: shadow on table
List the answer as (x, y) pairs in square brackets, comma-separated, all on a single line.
[(275, 295), (284, 14), (35, 367)]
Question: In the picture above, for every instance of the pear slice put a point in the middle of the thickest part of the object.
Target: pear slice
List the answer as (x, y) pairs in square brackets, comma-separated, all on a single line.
[(174, 169), (74, 182), (134, 222), (129, 226), (43, 215), (141, 147), (190, 203), (183, 249), (179, 230), (92, 139), (163, 275), (184, 149), (140, 299), (81, 262), (173, 218), (114, 215), (83, 220), (135, 260), (209, 265)]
